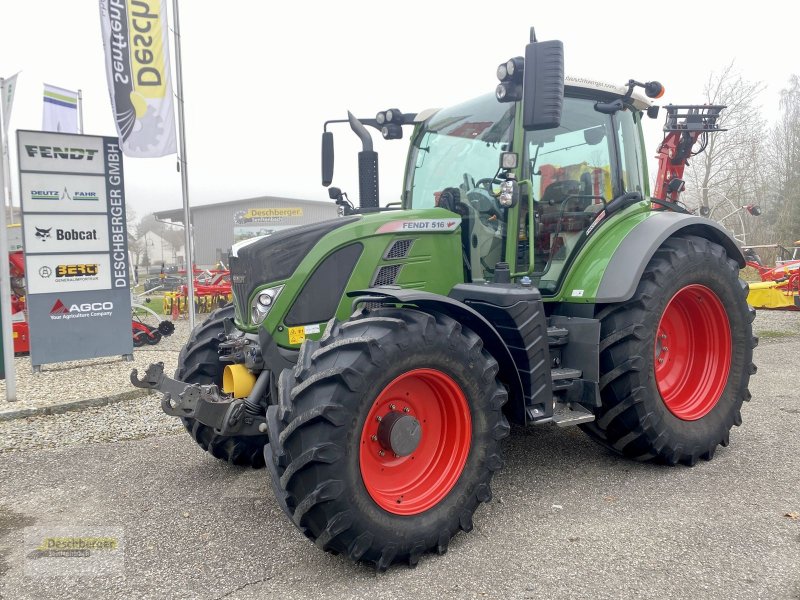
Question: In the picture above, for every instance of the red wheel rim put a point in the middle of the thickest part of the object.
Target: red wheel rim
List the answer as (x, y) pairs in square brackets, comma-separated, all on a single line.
[(692, 352), (412, 484)]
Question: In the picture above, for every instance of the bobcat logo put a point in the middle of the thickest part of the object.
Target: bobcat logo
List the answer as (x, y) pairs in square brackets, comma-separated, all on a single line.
[(42, 234)]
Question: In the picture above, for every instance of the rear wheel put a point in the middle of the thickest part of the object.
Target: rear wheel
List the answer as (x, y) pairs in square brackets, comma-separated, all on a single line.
[(386, 435), (199, 363), (676, 359)]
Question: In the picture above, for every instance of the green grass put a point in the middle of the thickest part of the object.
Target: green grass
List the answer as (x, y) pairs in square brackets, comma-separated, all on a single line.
[(773, 334)]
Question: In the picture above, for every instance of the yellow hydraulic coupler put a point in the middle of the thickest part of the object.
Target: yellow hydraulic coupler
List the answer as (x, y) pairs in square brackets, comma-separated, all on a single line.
[(237, 380)]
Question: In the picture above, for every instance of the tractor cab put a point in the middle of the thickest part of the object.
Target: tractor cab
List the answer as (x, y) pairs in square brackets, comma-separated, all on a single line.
[(566, 176)]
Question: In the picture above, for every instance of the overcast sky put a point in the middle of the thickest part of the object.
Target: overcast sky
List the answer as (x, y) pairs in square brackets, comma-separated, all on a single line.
[(260, 78)]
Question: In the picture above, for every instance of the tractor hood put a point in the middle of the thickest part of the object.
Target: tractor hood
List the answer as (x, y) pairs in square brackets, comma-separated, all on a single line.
[(274, 257)]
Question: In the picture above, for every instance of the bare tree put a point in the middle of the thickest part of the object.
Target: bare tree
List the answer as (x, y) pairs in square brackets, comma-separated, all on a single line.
[(725, 176), (783, 154)]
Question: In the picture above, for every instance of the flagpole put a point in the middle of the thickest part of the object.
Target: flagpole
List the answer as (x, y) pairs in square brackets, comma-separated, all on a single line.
[(80, 112), (5, 285), (176, 29), (7, 195)]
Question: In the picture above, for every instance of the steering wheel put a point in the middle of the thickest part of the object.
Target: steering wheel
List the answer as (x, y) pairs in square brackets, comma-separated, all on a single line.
[(486, 205), (487, 182)]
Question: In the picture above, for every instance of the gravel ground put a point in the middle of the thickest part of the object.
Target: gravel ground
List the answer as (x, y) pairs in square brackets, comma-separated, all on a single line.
[(568, 519), (102, 379), (142, 416)]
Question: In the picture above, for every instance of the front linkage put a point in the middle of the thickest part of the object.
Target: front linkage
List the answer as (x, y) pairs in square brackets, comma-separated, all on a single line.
[(204, 403)]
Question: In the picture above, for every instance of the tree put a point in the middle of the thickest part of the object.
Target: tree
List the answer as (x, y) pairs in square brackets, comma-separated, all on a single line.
[(728, 174), (784, 158)]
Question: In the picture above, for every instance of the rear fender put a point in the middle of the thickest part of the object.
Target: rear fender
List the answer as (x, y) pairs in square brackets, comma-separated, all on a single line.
[(607, 271)]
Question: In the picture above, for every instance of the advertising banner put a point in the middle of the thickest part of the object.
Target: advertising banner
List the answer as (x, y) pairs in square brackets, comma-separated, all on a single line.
[(74, 232), (8, 87), (135, 39), (59, 110)]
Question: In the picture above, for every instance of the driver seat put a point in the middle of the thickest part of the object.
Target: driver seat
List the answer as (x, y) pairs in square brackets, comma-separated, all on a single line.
[(555, 194)]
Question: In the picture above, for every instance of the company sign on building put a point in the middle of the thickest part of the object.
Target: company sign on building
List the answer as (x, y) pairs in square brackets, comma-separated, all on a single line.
[(73, 223)]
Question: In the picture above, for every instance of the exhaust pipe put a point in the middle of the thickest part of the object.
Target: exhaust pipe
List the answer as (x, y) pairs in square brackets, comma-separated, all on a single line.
[(367, 166)]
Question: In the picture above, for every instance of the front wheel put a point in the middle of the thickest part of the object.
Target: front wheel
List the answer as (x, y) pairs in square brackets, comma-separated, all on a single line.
[(676, 359), (386, 435)]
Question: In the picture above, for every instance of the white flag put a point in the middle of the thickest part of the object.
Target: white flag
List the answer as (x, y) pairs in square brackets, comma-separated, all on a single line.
[(135, 38), (60, 112), (7, 91)]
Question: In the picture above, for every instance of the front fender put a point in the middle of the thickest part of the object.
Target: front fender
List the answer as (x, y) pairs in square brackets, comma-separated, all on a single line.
[(469, 317)]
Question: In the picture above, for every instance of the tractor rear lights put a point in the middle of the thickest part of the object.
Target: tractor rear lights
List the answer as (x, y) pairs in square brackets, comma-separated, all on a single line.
[(262, 303), (510, 75)]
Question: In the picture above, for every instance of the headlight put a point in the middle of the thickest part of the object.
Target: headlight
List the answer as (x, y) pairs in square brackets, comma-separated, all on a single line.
[(262, 302)]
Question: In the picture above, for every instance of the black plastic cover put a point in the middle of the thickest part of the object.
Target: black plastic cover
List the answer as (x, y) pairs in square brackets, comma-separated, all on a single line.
[(275, 257), (319, 298)]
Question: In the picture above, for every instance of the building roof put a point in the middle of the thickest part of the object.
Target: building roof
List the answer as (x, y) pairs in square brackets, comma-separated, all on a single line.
[(176, 214)]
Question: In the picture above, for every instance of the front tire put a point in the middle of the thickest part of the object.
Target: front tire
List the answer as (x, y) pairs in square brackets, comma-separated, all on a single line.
[(676, 359), (199, 363), (379, 492)]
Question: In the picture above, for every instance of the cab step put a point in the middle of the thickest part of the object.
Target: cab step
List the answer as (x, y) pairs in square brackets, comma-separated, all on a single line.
[(563, 415)]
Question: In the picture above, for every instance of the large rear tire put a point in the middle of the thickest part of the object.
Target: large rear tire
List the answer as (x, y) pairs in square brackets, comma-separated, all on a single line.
[(386, 435), (199, 363), (676, 359)]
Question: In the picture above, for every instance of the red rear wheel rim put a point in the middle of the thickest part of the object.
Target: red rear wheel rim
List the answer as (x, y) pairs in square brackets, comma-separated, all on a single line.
[(412, 484), (692, 352)]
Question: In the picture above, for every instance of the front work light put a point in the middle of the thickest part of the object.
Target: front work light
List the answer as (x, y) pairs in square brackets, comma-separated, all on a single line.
[(262, 303)]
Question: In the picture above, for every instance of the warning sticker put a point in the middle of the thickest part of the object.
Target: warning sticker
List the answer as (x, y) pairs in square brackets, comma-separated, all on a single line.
[(297, 334)]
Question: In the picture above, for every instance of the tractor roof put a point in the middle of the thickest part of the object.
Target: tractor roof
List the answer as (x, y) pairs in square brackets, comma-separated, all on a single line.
[(640, 101)]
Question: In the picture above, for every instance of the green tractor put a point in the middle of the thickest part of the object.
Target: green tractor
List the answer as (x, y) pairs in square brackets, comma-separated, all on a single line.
[(373, 362)]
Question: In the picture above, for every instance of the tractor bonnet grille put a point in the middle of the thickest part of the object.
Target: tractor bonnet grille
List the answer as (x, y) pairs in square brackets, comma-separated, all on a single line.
[(398, 250), (386, 275)]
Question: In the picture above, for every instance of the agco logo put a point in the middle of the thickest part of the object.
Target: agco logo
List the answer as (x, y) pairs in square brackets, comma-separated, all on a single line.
[(77, 311)]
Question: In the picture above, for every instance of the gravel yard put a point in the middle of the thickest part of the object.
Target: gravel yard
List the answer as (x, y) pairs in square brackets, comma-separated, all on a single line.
[(141, 416), (98, 381)]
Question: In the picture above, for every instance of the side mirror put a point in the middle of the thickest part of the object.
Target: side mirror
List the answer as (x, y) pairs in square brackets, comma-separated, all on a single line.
[(543, 85), (334, 193), (327, 158)]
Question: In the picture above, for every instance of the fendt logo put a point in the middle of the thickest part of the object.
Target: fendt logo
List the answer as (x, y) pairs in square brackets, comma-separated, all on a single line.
[(60, 153), (78, 311)]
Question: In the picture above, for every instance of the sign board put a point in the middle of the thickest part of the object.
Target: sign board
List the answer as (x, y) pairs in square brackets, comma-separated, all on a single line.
[(74, 233), (255, 222)]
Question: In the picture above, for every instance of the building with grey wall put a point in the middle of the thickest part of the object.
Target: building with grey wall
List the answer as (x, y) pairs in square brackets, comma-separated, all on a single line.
[(216, 227)]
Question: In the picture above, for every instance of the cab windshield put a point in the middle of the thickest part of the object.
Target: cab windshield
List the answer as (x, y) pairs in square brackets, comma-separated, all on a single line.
[(457, 148), (458, 151)]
